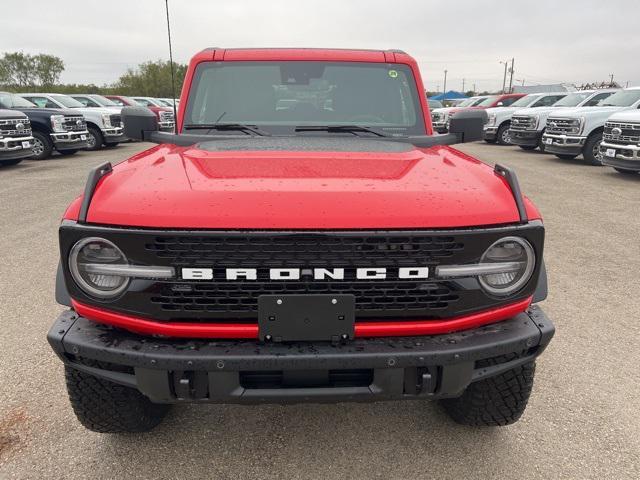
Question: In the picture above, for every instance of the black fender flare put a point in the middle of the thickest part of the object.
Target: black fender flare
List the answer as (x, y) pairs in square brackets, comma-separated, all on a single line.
[(542, 289), (62, 294)]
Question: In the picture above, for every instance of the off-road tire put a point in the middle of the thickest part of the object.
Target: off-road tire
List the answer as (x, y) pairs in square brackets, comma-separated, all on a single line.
[(98, 139), (43, 146), (106, 407), (495, 401), (564, 156), (625, 171), (589, 151), (10, 163), (528, 147), (503, 133)]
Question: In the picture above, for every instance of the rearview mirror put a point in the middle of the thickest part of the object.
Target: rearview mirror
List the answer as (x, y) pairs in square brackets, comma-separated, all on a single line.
[(468, 125), (139, 122)]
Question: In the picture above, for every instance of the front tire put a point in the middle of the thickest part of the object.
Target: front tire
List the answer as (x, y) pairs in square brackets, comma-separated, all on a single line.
[(591, 152), (491, 140), (94, 139), (563, 156), (495, 401), (106, 407), (68, 152), (503, 137), (42, 146), (528, 147)]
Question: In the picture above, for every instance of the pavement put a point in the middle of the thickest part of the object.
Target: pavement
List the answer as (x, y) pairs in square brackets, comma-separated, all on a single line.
[(582, 421)]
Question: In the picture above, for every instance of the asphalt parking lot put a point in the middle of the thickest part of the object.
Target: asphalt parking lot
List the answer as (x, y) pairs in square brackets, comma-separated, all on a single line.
[(582, 421)]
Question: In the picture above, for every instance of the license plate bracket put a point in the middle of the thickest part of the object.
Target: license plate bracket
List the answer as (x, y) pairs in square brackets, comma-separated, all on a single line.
[(611, 152), (295, 318)]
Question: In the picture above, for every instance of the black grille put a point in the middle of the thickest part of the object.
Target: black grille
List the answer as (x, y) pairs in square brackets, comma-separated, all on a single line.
[(626, 133), (116, 121), (75, 124), (222, 300), (303, 250)]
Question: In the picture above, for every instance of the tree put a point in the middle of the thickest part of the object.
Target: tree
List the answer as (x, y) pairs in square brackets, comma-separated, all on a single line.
[(22, 70), (151, 79)]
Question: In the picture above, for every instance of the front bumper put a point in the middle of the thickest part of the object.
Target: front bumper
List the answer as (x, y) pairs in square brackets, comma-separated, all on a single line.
[(563, 144), (166, 126), (441, 127), (174, 371), (490, 133), (626, 156), (15, 148), (527, 138), (70, 140), (114, 135)]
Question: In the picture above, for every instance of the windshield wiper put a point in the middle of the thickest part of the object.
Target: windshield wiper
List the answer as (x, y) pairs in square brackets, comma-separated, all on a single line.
[(227, 126), (340, 129)]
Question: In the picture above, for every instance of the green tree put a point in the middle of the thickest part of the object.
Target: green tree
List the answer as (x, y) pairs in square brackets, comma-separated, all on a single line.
[(24, 71), (151, 79), (48, 69)]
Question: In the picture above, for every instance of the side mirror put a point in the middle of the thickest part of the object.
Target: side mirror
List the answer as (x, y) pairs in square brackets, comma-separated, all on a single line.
[(468, 125), (499, 104), (139, 122)]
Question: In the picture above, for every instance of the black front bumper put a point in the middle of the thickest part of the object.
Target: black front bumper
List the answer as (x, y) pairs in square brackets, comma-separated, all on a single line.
[(15, 154), (181, 370), (631, 165), (525, 138)]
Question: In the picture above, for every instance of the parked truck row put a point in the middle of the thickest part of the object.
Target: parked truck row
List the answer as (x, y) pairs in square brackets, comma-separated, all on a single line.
[(34, 125)]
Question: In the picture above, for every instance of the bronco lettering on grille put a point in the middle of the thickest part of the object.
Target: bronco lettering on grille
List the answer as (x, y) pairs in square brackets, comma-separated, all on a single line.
[(376, 273)]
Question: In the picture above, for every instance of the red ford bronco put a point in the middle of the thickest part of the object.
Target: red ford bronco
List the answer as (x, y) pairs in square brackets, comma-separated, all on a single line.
[(303, 237)]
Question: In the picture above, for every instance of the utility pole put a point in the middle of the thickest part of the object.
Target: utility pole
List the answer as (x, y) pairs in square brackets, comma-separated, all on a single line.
[(611, 80), (511, 76), (444, 88), (504, 79), (474, 89), (463, 85)]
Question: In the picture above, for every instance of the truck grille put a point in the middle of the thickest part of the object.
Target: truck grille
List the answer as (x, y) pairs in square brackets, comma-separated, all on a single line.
[(116, 120), (166, 116), (221, 300), (75, 124), (629, 133), (9, 127), (562, 126), (522, 122)]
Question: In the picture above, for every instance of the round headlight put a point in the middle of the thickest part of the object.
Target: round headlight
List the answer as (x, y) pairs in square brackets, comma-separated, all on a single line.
[(509, 250), (97, 251)]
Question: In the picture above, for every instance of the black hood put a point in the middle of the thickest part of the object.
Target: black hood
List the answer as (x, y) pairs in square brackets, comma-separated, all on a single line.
[(10, 114)]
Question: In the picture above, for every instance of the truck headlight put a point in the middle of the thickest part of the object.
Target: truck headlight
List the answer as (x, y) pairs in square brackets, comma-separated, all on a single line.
[(492, 119), (106, 120), (85, 260), (57, 123), (517, 259)]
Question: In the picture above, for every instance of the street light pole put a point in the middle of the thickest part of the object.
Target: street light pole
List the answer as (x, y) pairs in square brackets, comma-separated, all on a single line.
[(444, 88), (511, 76), (504, 79)]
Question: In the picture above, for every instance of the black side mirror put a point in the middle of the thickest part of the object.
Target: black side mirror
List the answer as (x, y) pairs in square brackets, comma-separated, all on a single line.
[(468, 125), (139, 122)]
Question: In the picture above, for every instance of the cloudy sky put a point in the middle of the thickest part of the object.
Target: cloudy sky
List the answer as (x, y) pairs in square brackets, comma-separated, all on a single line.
[(571, 41)]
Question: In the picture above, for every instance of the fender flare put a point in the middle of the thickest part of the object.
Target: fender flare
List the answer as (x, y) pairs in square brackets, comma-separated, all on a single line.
[(62, 294), (542, 289)]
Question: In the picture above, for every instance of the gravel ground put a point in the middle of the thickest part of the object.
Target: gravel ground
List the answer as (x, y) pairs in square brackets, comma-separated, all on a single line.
[(582, 419)]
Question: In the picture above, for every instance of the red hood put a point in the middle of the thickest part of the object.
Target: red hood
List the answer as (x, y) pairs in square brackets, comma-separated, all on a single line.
[(391, 185)]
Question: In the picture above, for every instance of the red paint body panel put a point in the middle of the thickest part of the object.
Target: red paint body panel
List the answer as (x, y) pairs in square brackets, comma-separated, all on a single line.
[(250, 331), (178, 187), (127, 102)]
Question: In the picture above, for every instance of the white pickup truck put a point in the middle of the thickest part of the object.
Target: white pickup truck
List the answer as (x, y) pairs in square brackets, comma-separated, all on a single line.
[(440, 116), (103, 124), (528, 125), (499, 123), (579, 130), (620, 147)]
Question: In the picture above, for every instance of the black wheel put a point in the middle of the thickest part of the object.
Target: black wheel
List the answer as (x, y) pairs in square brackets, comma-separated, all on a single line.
[(94, 139), (591, 152), (495, 401), (42, 146), (110, 145), (504, 137), (493, 140), (9, 163), (565, 156), (541, 146), (68, 152), (106, 407), (625, 171), (528, 147)]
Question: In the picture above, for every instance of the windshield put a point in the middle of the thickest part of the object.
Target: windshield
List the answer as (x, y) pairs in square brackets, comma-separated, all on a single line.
[(104, 101), (487, 102), (435, 104), (282, 95), (573, 99), (9, 100), (623, 98), (477, 101), (164, 103), (468, 102), (525, 101), (68, 101)]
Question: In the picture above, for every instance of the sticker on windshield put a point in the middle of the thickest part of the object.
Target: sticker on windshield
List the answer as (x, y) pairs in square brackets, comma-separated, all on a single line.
[(393, 73)]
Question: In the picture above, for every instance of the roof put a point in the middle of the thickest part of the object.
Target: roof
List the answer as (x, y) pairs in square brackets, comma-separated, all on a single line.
[(450, 95), (309, 54), (551, 88)]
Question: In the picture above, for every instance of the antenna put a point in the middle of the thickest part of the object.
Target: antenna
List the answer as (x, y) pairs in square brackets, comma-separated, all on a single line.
[(173, 80)]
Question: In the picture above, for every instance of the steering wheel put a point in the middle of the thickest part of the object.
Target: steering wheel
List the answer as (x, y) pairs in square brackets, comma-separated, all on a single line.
[(367, 119)]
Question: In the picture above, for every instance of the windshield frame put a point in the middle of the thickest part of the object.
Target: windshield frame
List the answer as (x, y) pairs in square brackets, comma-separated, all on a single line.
[(420, 105)]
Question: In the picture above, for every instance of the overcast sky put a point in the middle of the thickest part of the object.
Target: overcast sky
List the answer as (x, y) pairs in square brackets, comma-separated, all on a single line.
[(552, 41)]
